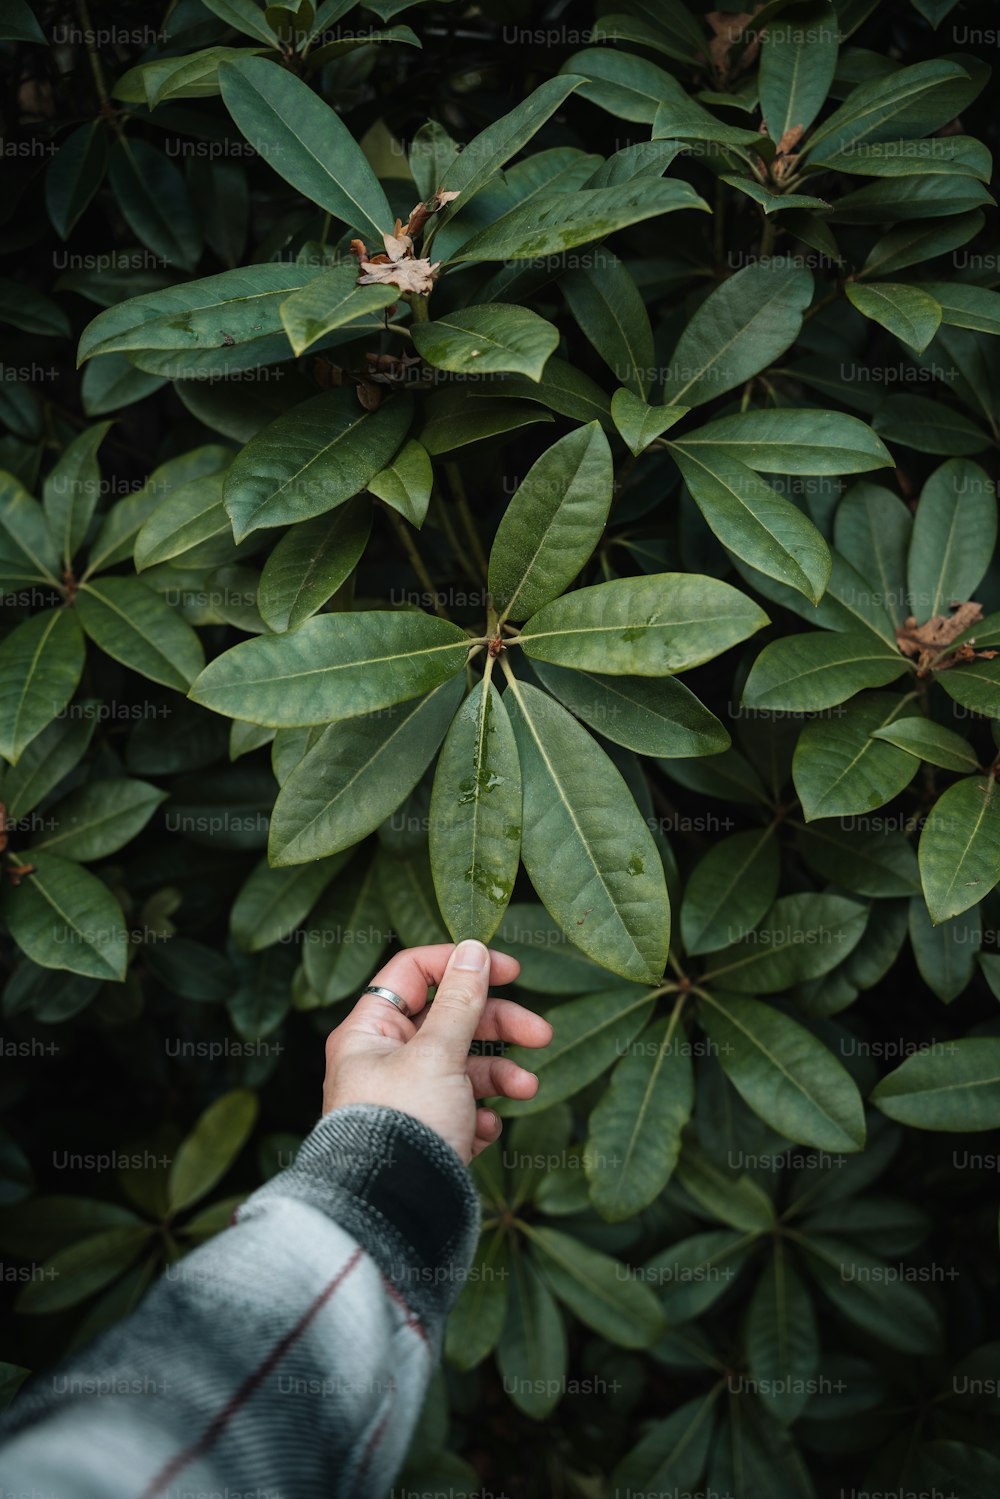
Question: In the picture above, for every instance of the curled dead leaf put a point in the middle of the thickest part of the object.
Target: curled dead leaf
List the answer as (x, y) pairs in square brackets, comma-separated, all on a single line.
[(929, 642)]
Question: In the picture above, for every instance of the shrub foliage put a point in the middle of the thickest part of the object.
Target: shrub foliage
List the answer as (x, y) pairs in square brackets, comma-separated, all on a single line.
[(541, 492)]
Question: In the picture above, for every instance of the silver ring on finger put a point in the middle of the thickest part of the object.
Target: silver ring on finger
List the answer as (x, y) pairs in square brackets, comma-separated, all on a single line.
[(393, 999)]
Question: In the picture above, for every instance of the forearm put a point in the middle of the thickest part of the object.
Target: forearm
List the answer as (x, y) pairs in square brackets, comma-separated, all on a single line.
[(291, 1353)]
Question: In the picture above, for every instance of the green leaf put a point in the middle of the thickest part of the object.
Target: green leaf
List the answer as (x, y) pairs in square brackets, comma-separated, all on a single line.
[(479, 1315), (357, 773), (797, 63), (875, 861), (271, 903), (946, 953), (925, 197), (28, 550), (311, 459), (954, 533), (115, 541), (806, 673), (695, 1272), (959, 848), (49, 757), (98, 819), (872, 530), (455, 421), (917, 242), (626, 86), (651, 715), (614, 1304), (912, 101), (481, 159), (839, 769), (334, 666), (651, 626), (773, 202), (86, 1267), (306, 143), (739, 329), (866, 1291), (406, 887), (155, 202), (244, 16), (951, 1085), (331, 300), (730, 890), (136, 627), (928, 426), (785, 1075), (782, 1339), (803, 937), (489, 337), (346, 936), (720, 1194), (19, 24), (475, 817), (206, 1154), (671, 1457), (183, 329), (683, 118), (635, 1130), (791, 441), (531, 1350), (110, 382), (40, 665), (76, 173), (587, 1038), (931, 742), (976, 686), (31, 311), (964, 306), (189, 524), (755, 521), (552, 524), (906, 311), (585, 845), (310, 563), (72, 489), (639, 424), (406, 483), (608, 306), (62, 916), (536, 229)]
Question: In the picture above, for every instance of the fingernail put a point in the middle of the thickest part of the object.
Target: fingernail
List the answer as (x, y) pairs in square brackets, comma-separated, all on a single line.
[(471, 956)]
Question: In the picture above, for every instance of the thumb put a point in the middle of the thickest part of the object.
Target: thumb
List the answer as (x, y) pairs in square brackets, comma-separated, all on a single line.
[(458, 1006)]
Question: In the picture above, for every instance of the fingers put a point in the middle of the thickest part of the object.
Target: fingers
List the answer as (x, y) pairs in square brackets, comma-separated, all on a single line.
[(488, 1129), (459, 1004), (409, 974), (505, 1020), (493, 1077)]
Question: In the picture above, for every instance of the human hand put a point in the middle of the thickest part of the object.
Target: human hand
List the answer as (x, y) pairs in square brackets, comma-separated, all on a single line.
[(422, 1066)]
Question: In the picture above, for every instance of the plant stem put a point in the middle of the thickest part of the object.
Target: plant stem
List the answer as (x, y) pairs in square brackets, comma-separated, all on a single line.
[(466, 516), (418, 307), (416, 561)]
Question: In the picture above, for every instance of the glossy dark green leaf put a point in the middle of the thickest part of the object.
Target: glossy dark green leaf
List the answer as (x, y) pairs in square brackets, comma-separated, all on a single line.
[(608, 306), (753, 520), (930, 741), (872, 531), (797, 63), (206, 1154), (953, 1086), (76, 173), (649, 627), (271, 903), (871, 1294), (310, 563), (588, 1035), (651, 715), (906, 311), (311, 459), (475, 816), (840, 770), (405, 484), (346, 936), (730, 890), (617, 1306), (954, 532), (672, 1455), (306, 143), (585, 845), (531, 1350), (740, 328), (479, 1315), (790, 441), (136, 627), (945, 953), (635, 1130), (155, 201), (489, 337), (99, 818), (75, 1273), (807, 673), (960, 847), (61, 916), (552, 524), (332, 667), (788, 1077), (40, 665)]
